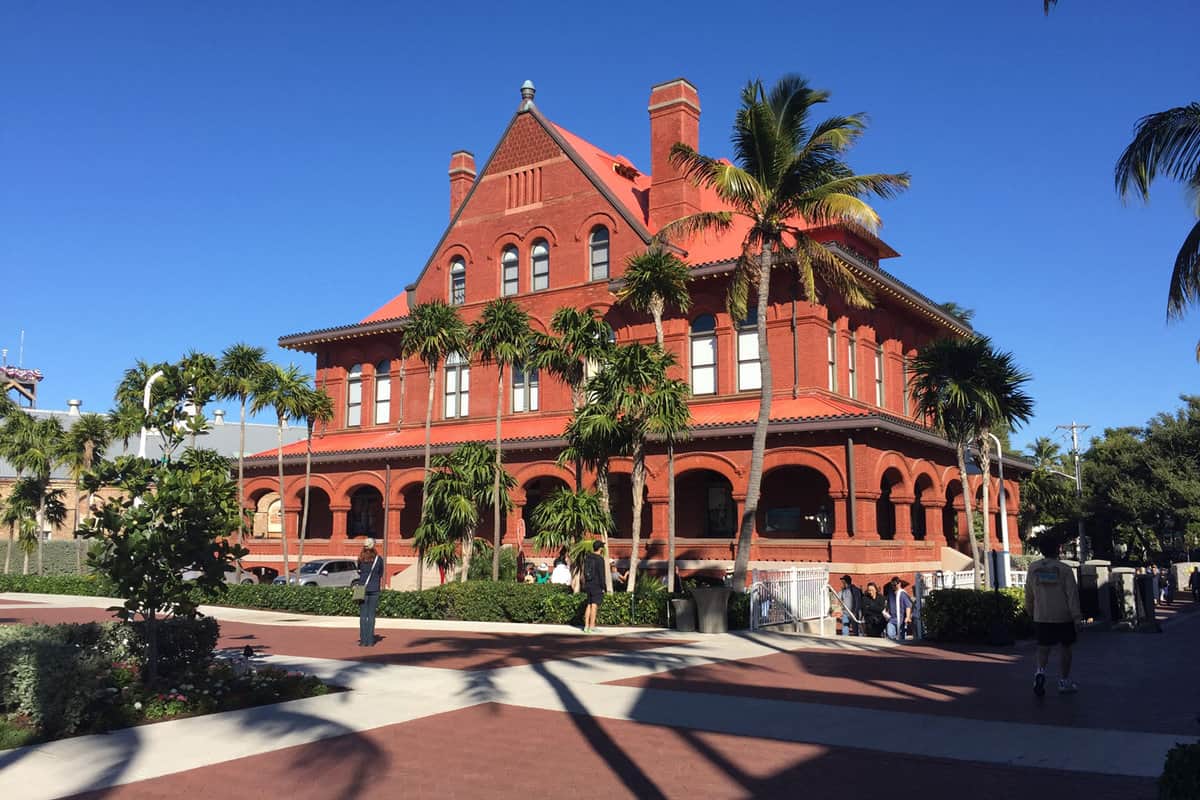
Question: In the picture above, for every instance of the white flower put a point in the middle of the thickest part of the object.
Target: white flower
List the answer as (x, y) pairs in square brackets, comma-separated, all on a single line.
[(137, 706)]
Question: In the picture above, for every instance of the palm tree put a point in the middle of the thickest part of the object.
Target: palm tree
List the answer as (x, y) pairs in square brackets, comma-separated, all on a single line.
[(15, 427), (959, 312), (655, 280), (460, 484), (1003, 381), (281, 390), (948, 391), (41, 454), (202, 383), (501, 336), (29, 506), (578, 342), (1045, 453), (85, 443), (241, 368), (433, 332), (566, 517), (789, 174), (670, 419), (625, 392), (1169, 143), (315, 406)]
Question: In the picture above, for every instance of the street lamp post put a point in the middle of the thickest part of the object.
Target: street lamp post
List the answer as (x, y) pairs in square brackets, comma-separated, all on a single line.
[(146, 408), (1006, 562)]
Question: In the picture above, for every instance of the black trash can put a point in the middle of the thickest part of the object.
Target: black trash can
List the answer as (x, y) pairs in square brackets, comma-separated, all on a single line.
[(712, 609), (684, 611)]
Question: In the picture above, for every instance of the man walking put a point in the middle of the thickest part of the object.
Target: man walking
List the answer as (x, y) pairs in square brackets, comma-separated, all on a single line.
[(851, 599), (1194, 584), (593, 585), (1052, 599), (899, 611)]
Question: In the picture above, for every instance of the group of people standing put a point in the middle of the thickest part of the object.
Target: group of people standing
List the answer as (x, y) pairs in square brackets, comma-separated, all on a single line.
[(872, 613)]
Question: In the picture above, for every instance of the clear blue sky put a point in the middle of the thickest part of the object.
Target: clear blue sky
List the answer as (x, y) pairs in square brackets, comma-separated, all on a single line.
[(177, 175)]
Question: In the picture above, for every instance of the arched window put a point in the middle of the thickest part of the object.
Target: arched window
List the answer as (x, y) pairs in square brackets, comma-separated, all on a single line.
[(354, 396), (525, 389), (704, 354), (458, 282), (539, 260), (511, 265), (598, 252), (458, 385), (749, 368), (383, 392)]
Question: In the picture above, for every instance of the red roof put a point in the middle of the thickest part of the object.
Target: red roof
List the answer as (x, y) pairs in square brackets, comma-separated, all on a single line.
[(742, 410), (633, 193), (396, 307)]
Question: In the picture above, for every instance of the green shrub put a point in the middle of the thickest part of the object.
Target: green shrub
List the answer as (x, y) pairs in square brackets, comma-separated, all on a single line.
[(48, 675), (1180, 779), (60, 555), (739, 611), (481, 563), (86, 585), (967, 615)]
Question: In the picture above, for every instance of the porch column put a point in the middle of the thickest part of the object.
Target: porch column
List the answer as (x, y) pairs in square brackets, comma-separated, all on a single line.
[(933, 520), (291, 523), (394, 534), (962, 535), (514, 528), (655, 545), (841, 515), (739, 508), (864, 522), (902, 508), (339, 512)]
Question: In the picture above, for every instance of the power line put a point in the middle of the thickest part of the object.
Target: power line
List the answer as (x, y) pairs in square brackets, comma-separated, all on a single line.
[(1075, 428)]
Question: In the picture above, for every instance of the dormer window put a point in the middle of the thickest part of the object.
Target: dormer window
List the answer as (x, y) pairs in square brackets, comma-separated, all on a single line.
[(598, 253), (510, 265), (458, 282), (539, 260)]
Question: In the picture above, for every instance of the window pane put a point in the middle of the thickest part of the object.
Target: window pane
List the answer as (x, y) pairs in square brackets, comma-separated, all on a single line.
[(354, 389), (704, 380), (540, 257), (510, 263), (533, 396), (451, 405), (354, 415), (749, 376), (599, 254), (465, 381), (704, 351)]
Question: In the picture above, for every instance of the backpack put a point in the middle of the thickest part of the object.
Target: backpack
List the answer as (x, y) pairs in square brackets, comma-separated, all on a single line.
[(591, 569)]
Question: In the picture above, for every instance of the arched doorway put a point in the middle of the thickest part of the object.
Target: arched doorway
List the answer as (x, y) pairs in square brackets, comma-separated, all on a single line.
[(536, 491), (885, 510), (410, 516), (620, 498), (795, 504), (365, 517), (268, 521), (922, 494), (320, 518), (704, 505)]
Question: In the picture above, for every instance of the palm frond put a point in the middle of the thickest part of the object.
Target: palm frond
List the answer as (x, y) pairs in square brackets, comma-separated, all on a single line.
[(1185, 277), (695, 224), (1167, 142)]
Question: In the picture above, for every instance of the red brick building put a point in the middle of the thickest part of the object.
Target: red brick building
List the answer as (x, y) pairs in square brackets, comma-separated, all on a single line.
[(851, 478)]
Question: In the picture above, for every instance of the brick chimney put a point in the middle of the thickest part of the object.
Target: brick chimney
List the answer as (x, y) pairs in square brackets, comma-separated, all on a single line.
[(462, 176), (674, 117)]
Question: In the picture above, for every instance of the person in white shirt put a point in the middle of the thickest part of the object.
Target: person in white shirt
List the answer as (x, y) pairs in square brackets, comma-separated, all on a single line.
[(562, 573)]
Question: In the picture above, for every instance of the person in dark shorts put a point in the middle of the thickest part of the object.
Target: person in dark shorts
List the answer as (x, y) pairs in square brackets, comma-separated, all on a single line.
[(593, 585), (1052, 599)]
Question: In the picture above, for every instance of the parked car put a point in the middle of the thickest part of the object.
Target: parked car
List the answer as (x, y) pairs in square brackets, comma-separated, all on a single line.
[(231, 575), (324, 572)]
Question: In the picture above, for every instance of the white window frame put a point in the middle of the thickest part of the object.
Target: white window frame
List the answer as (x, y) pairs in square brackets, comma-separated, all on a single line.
[(354, 396), (595, 248), (525, 389), (831, 356), (747, 354), (458, 282), (708, 338), (880, 366), (852, 366), (539, 256), (510, 271), (383, 392), (457, 389)]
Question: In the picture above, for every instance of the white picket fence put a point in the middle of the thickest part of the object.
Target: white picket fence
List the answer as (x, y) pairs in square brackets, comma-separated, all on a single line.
[(788, 596)]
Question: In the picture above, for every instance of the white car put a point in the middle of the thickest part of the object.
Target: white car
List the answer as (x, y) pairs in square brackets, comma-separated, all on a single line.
[(324, 572), (231, 575)]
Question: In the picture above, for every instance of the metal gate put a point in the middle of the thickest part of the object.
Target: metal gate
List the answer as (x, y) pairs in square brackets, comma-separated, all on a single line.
[(788, 596)]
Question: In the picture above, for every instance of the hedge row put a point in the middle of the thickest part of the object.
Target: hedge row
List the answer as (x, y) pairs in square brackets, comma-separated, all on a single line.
[(59, 555), (967, 615), (477, 601)]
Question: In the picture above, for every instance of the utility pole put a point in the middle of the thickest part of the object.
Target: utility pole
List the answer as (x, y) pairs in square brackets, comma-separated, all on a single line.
[(1075, 428)]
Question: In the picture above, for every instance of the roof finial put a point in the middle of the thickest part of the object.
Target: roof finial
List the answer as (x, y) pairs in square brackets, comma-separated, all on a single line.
[(527, 93)]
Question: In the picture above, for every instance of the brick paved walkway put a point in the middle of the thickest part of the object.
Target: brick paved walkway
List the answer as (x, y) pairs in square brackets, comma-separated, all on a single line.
[(463, 713)]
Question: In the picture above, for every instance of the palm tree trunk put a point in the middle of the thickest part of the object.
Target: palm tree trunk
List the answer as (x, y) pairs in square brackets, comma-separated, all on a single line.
[(496, 477), (12, 542), (602, 491), (468, 549), (670, 516), (966, 490), (75, 533), (41, 522), (307, 485), (428, 431), (242, 487), (656, 310), (282, 506), (638, 482), (403, 388), (759, 443), (985, 464)]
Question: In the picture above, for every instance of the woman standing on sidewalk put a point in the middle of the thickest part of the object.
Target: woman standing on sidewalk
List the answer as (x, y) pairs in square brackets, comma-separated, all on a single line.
[(370, 573)]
